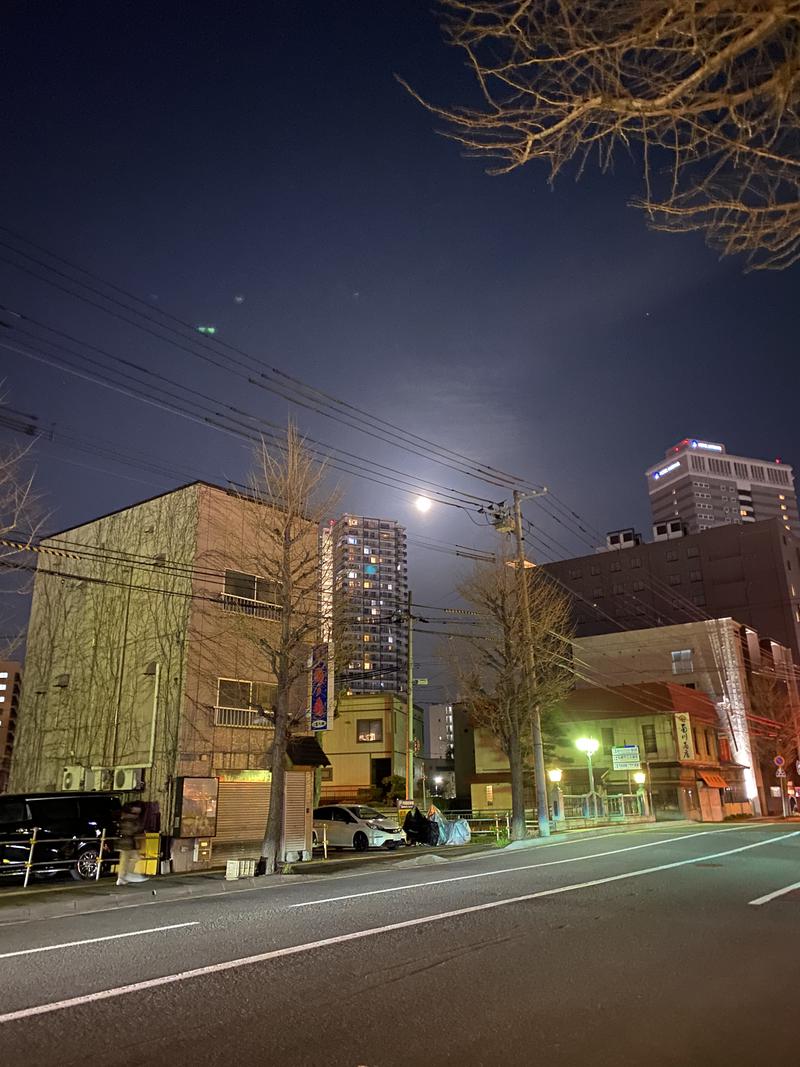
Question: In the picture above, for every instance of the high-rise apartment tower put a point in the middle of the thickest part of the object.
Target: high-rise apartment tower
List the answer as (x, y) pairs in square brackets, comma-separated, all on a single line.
[(365, 562)]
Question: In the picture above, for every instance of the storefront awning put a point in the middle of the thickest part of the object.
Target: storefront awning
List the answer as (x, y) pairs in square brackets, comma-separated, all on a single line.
[(714, 780)]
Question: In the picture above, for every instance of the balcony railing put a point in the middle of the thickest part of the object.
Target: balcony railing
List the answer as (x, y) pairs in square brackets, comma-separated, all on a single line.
[(248, 718), (243, 606)]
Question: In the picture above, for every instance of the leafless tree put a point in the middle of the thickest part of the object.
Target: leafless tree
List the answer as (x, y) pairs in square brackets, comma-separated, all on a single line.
[(20, 520), (291, 482), (776, 719), (707, 91), (490, 666)]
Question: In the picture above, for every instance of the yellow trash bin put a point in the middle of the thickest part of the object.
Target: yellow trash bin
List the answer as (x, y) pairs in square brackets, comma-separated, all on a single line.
[(149, 849)]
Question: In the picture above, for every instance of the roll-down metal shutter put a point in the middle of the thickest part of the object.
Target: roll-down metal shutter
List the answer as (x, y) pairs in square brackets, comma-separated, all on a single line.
[(294, 814)]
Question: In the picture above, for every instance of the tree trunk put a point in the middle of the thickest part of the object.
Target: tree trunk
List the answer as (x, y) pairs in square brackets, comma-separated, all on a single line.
[(271, 845), (273, 835), (518, 830)]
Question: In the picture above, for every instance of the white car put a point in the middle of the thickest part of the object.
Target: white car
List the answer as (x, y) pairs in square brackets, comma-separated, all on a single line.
[(355, 826)]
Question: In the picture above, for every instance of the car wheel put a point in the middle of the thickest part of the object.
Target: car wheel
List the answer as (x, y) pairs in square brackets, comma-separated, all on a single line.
[(85, 867), (360, 842)]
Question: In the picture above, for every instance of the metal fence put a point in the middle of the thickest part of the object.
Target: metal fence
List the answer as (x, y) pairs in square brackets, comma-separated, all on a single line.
[(92, 858)]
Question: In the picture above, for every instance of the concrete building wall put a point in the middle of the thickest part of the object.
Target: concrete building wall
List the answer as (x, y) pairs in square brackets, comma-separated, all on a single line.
[(750, 573), (10, 692), (706, 656), (106, 655), (359, 764)]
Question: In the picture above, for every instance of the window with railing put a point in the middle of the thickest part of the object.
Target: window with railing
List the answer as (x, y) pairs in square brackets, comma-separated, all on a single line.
[(249, 594), (241, 702), (369, 729)]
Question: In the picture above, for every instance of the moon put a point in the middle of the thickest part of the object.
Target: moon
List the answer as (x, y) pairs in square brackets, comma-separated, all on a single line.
[(423, 504)]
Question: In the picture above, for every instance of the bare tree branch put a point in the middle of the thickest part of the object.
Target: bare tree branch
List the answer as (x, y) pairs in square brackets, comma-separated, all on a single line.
[(709, 90)]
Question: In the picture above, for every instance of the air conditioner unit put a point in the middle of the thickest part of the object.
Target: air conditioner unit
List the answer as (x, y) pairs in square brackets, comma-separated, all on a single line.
[(128, 778), (99, 779), (72, 779)]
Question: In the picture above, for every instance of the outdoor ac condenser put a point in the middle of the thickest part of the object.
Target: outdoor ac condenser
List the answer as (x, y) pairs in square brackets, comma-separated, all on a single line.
[(128, 778)]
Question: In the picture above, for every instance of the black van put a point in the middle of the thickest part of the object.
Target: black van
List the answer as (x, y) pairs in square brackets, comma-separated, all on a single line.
[(68, 831)]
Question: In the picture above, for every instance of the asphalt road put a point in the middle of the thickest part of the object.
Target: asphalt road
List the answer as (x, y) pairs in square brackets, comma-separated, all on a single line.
[(645, 947)]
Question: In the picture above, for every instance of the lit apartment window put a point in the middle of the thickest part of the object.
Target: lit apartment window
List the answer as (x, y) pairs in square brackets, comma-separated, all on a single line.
[(682, 662), (3, 674), (352, 522), (3, 685), (369, 730)]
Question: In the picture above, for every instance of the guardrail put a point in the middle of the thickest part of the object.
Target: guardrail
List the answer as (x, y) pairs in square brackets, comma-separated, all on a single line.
[(104, 852)]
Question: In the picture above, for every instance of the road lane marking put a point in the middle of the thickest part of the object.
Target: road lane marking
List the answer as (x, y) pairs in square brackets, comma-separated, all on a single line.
[(94, 940), (772, 896), (357, 935), (508, 870)]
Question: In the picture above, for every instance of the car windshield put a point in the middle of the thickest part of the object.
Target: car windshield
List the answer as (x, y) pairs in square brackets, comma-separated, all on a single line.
[(362, 812)]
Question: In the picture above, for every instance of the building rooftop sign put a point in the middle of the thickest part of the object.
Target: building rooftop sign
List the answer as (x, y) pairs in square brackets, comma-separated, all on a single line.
[(666, 470), (707, 446)]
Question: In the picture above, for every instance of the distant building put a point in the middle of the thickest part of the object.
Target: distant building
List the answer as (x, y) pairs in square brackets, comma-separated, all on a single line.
[(749, 572), (699, 484), (10, 686), (632, 690), (365, 568), (143, 674), (439, 731)]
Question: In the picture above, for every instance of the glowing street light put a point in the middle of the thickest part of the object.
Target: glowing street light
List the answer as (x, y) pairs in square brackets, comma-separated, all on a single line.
[(555, 775), (423, 504), (588, 746), (639, 777)]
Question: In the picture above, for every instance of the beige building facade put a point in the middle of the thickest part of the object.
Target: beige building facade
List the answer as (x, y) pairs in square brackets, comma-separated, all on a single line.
[(366, 743), (146, 673)]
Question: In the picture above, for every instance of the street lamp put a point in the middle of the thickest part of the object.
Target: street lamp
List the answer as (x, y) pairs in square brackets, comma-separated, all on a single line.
[(588, 746), (640, 778), (554, 774)]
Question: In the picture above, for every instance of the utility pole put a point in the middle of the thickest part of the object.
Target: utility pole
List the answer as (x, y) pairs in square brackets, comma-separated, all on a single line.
[(410, 705), (542, 806)]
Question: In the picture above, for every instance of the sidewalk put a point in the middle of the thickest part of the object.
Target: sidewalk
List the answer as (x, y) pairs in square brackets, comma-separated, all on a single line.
[(70, 898)]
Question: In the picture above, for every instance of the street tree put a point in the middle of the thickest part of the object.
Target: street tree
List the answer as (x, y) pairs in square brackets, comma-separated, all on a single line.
[(291, 484), (704, 93), (21, 518), (489, 665), (775, 725)]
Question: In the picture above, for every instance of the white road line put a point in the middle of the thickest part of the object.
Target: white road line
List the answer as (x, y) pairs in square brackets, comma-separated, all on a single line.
[(310, 946), (94, 940), (771, 896), (509, 870)]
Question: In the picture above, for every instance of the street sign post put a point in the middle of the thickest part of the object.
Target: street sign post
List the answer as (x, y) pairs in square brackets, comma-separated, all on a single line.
[(779, 761)]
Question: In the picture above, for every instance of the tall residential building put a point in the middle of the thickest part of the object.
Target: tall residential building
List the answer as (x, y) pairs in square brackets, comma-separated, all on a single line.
[(699, 484), (10, 683), (439, 731), (366, 561)]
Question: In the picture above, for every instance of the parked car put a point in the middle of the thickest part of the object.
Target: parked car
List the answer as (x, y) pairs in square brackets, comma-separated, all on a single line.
[(68, 827), (356, 826)]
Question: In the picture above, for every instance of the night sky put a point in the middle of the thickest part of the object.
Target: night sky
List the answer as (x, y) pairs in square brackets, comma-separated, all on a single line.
[(196, 153)]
